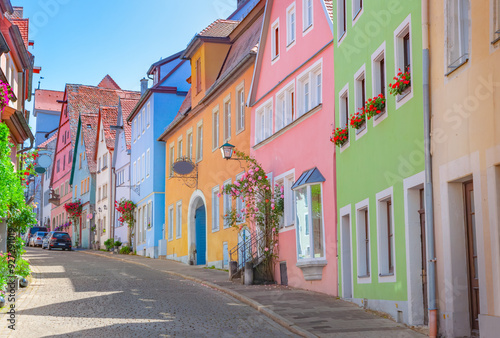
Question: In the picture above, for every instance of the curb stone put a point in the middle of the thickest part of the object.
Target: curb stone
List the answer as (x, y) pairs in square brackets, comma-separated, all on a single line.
[(248, 301)]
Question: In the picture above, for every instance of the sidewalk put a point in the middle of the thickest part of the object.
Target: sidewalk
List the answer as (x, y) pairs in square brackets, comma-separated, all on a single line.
[(306, 313)]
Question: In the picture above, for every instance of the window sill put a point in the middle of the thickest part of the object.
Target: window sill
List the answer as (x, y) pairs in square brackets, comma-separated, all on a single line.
[(312, 268), (345, 145), (376, 117), (386, 274), (307, 29), (360, 129), (288, 127), (457, 66), (404, 94), (364, 276), (341, 38), (495, 40)]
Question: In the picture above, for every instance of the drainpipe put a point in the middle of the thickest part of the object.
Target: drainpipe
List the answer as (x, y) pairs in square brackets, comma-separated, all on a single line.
[(429, 211)]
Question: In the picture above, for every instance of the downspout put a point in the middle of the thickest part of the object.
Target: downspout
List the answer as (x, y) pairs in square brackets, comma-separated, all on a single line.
[(429, 209)]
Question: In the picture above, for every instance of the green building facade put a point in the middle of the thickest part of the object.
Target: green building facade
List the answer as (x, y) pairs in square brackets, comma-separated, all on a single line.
[(380, 167)]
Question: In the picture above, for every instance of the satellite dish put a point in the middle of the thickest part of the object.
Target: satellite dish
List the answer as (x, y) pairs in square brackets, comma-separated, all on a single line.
[(183, 167), (44, 161)]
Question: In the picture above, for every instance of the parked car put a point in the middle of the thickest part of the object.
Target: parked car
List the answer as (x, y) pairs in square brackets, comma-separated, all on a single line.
[(37, 238), (31, 232), (57, 239)]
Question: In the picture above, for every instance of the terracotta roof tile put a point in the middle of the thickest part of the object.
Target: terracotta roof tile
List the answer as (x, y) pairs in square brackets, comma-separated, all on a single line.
[(127, 107), (329, 7), (23, 28), (108, 82), (186, 104), (49, 140), (89, 127), (219, 28), (109, 116), (47, 99)]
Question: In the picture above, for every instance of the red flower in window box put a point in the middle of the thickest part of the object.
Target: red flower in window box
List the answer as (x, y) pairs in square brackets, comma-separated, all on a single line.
[(340, 136), (402, 81)]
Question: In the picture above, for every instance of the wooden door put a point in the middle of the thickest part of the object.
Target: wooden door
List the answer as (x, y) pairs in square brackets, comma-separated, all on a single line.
[(423, 249), (470, 228)]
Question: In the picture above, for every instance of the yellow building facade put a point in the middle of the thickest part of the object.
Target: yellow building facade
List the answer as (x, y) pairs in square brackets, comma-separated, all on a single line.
[(465, 141), (222, 59)]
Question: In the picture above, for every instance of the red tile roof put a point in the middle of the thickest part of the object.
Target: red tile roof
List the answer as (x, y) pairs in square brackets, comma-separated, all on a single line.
[(127, 107), (219, 28), (109, 116), (23, 27), (329, 8), (108, 82), (47, 99), (48, 141), (89, 128)]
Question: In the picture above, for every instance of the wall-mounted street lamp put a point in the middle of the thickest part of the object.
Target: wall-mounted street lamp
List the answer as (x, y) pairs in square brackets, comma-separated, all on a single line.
[(227, 151)]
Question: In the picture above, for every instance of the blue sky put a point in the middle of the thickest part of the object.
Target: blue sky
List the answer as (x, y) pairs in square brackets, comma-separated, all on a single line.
[(81, 41)]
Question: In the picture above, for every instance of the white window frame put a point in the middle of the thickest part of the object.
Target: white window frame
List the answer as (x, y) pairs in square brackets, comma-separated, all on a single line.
[(171, 158), (377, 56), (170, 221), (240, 107), (307, 26), (359, 76), (283, 109), (356, 10), (264, 121), (143, 168), (199, 141), (134, 173), (189, 143), (180, 147), (135, 130), (463, 14), (495, 21), (178, 219), (360, 244), (215, 128), (275, 54), (143, 120), (383, 257), (150, 213), (148, 111), (291, 26), (226, 107), (215, 209), (343, 94), (226, 205), (341, 21), (309, 76), (148, 163), (139, 125), (287, 179), (399, 33)]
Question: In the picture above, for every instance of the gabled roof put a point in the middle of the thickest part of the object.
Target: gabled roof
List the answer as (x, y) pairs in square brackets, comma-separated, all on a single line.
[(48, 141), (89, 128), (127, 107), (108, 116), (164, 61), (108, 82), (23, 28), (47, 100)]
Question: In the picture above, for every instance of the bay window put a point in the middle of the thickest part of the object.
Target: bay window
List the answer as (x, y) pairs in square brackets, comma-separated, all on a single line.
[(309, 217)]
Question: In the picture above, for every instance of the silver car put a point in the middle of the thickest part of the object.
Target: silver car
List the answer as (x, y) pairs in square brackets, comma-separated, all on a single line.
[(37, 238)]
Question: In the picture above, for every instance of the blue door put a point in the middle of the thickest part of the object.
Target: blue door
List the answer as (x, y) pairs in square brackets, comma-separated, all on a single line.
[(201, 236)]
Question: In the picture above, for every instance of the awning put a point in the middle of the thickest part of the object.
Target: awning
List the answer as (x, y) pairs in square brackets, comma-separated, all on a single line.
[(309, 176)]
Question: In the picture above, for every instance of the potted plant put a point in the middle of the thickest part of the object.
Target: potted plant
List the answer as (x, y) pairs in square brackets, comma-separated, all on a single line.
[(374, 106), (357, 120), (340, 136), (109, 243), (118, 244), (401, 82)]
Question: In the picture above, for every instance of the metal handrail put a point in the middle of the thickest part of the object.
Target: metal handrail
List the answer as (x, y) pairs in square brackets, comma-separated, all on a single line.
[(249, 250)]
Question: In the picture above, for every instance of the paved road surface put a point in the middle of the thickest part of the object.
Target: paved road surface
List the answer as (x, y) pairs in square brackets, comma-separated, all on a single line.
[(79, 295)]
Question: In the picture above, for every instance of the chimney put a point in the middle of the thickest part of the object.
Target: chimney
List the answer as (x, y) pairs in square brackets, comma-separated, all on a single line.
[(144, 85)]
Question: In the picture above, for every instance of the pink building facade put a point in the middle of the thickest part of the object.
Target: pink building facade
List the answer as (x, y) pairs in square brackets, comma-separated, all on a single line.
[(292, 119)]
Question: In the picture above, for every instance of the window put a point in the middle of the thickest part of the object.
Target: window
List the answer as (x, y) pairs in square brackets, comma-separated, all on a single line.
[(99, 165), (104, 161), (307, 14), (275, 40), (99, 194), (64, 162), (341, 19), (102, 133), (143, 120), (496, 21), (70, 156), (148, 112), (84, 155), (171, 222), (264, 121), (227, 205), (385, 237), (143, 168), (290, 25), (359, 89), (178, 220), (171, 159), (198, 75), (240, 205), (227, 119), (378, 73), (457, 33), (105, 191), (189, 144), (363, 241), (134, 173), (240, 108), (135, 130), (344, 107), (357, 6), (199, 141), (310, 88), (80, 162), (139, 224), (148, 163), (179, 147), (285, 183), (150, 213), (215, 209), (285, 106), (58, 165), (139, 125), (215, 128), (139, 170), (309, 218)]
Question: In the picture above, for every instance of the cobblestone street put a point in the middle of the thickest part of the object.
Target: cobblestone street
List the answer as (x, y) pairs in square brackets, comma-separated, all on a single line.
[(75, 294)]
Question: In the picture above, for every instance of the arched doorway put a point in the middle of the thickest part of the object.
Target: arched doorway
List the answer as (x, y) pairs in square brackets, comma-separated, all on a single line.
[(197, 229)]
